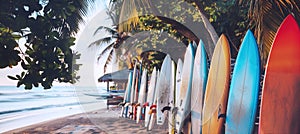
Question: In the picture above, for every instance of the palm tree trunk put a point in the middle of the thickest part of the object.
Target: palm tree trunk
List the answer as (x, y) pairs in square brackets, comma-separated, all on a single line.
[(213, 34)]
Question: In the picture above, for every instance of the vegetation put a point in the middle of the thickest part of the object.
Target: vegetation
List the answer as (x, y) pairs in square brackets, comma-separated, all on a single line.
[(231, 17), (48, 27), (266, 16), (38, 34)]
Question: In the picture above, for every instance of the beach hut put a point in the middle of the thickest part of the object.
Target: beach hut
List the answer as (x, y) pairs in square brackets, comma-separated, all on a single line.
[(119, 77)]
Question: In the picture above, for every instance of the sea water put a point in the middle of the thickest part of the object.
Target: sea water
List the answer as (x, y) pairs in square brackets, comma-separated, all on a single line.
[(20, 107)]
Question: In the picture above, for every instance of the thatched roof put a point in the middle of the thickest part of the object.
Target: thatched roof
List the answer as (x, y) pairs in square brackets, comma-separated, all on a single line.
[(118, 76)]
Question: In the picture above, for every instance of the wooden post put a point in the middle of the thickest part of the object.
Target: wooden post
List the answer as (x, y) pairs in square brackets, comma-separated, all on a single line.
[(107, 89)]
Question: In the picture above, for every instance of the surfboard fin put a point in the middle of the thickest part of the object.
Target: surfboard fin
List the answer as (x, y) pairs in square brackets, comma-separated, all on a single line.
[(122, 104), (126, 104), (222, 116), (166, 108)]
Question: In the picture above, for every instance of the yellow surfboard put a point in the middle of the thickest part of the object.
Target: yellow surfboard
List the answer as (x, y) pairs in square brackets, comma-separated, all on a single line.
[(215, 101)]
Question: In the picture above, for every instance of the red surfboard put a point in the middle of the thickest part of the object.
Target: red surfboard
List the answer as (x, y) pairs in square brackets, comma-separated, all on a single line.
[(280, 106)]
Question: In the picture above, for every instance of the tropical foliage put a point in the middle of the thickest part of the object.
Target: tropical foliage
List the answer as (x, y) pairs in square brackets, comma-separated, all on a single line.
[(48, 27), (266, 17), (232, 17), (161, 27)]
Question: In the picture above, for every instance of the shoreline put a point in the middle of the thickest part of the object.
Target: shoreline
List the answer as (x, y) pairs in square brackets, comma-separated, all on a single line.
[(29, 118), (101, 121)]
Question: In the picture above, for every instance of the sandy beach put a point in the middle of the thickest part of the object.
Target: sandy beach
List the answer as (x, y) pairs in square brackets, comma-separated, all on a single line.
[(100, 121)]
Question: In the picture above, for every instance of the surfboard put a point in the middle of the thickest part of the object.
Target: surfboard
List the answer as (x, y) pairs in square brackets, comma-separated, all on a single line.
[(215, 100), (178, 79), (198, 88), (150, 96), (138, 87), (171, 114), (184, 107), (280, 105), (178, 83), (244, 88), (152, 111), (132, 92), (142, 96), (136, 91), (163, 89), (124, 110)]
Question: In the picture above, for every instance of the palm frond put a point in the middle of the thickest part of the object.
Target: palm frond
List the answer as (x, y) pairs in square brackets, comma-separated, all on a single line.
[(267, 15), (107, 49), (113, 17), (107, 29), (82, 7), (108, 60), (101, 41)]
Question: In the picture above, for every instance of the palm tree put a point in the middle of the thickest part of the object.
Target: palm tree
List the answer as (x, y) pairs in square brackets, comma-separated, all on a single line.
[(114, 40), (129, 19), (265, 16), (81, 11)]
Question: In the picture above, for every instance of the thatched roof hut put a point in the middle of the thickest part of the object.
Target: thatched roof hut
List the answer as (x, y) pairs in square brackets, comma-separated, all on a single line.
[(119, 77)]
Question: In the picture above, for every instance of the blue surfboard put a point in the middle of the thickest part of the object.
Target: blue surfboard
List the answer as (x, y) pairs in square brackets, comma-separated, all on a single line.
[(244, 89)]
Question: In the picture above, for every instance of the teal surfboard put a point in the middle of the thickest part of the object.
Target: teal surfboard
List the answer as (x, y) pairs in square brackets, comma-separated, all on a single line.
[(124, 110), (132, 92), (244, 89)]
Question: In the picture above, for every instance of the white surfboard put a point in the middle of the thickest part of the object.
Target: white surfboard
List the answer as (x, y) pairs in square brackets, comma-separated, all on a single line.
[(142, 95), (163, 90), (150, 96), (153, 106), (172, 99), (178, 80), (184, 101), (198, 88)]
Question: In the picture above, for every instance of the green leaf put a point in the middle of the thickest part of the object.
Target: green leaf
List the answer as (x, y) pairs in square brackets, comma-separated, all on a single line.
[(36, 84), (13, 78), (22, 74), (28, 59), (28, 86), (19, 84), (19, 77)]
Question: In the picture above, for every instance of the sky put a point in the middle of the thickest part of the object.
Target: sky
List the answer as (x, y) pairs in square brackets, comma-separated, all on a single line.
[(91, 70)]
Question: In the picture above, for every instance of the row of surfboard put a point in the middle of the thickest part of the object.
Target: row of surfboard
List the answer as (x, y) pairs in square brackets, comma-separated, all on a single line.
[(191, 98)]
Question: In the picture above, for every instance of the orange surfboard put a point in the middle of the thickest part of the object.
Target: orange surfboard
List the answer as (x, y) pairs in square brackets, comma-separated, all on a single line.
[(280, 106), (215, 101)]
